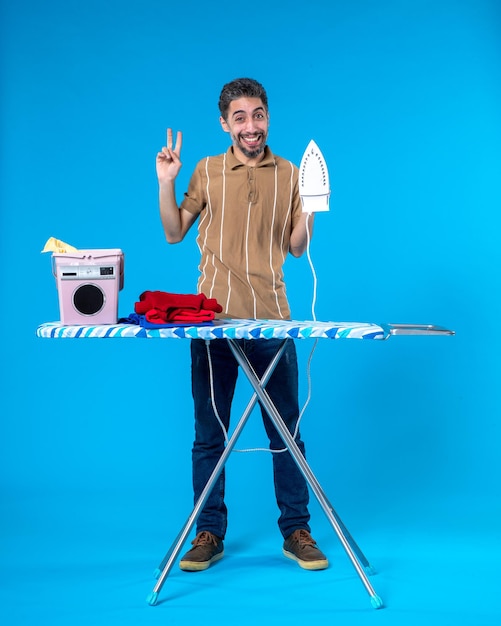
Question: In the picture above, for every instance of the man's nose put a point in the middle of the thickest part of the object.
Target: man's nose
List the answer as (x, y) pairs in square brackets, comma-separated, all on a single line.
[(250, 125)]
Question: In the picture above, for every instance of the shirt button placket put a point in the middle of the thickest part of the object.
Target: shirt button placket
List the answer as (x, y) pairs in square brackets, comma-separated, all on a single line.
[(251, 183)]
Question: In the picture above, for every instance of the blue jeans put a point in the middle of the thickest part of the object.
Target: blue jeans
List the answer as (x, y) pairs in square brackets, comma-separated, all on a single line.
[(291, 489)]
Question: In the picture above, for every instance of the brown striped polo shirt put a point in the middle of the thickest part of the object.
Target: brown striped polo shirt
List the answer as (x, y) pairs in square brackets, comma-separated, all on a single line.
[(246, 217)]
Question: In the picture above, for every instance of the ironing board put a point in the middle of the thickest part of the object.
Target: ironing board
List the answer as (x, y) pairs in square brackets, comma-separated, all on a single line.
[(231, 331)]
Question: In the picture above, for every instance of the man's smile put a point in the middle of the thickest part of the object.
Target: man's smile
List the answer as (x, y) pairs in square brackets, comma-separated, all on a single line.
[(251, 140)]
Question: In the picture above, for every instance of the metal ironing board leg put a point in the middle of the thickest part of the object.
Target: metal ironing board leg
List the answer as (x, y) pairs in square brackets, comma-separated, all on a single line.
[(306, 471), (168, 561)]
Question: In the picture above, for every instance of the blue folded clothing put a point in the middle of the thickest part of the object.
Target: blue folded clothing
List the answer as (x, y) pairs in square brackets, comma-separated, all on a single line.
[(140, 320)]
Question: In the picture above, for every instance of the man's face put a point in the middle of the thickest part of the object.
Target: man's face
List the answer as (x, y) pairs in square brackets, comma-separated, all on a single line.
[(247, 124)]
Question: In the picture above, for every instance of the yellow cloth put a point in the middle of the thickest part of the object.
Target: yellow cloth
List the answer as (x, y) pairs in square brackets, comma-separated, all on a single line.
[(56, 245)]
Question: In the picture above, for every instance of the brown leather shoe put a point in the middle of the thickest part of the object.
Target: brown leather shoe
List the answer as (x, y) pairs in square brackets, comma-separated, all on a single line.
[(302, 548), (207, 548)]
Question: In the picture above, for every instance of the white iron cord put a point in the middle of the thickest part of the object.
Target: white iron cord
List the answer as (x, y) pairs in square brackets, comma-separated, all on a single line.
[(308, 366)]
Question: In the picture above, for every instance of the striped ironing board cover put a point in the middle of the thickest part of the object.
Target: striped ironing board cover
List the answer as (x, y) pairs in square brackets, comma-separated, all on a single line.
[(221, 329)]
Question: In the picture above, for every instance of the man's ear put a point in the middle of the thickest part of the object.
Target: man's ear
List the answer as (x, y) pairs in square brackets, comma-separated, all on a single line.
[(224, 125)]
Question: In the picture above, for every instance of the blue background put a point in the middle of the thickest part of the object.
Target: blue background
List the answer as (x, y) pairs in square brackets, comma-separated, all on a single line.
[(404, 99)]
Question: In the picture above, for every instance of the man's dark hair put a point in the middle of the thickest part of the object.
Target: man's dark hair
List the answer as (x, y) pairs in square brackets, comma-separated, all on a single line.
[(241, 88)]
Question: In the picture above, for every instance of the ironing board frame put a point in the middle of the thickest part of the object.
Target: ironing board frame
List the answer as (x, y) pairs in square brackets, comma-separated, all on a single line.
[(354, 553)]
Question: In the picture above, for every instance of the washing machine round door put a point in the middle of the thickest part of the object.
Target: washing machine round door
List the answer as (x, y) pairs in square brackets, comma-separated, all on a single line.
[(88, 299)]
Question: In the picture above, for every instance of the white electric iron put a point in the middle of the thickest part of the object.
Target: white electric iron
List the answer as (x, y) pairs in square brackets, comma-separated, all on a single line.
[(314, 180)]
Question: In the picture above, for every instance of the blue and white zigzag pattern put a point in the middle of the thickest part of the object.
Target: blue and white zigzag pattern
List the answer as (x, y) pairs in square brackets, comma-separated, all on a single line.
[(222, 329)]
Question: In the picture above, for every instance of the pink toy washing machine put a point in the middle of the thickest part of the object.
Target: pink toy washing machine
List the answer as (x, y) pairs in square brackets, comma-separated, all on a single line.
[(88, 282)]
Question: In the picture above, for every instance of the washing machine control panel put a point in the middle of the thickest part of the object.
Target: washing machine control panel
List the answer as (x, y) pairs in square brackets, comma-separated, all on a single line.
[(89, 272)]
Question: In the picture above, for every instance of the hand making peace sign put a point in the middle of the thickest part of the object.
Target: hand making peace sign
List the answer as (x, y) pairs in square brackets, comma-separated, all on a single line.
[(168, 160)]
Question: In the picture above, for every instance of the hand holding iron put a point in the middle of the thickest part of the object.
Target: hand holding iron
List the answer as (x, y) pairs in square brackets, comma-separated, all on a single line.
[(169, 159)]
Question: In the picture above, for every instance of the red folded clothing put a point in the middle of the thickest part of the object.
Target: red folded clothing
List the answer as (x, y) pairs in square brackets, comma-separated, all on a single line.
[(161, 307), (154, 316)]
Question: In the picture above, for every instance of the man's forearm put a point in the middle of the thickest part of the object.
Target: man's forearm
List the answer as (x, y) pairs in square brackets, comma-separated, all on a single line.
[(299, 236), (169, 212)]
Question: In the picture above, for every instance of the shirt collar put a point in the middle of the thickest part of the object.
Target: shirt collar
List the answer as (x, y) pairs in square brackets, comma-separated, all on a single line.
[(234, 163)]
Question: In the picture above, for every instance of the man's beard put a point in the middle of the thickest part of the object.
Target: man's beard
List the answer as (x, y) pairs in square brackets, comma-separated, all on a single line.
[(250, 153)]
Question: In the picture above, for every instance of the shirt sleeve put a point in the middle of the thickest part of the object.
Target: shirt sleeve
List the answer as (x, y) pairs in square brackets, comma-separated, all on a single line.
[(194, 199), (296, 204)]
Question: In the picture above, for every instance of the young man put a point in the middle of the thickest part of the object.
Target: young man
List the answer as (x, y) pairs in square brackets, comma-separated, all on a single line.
[(249, 211)]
